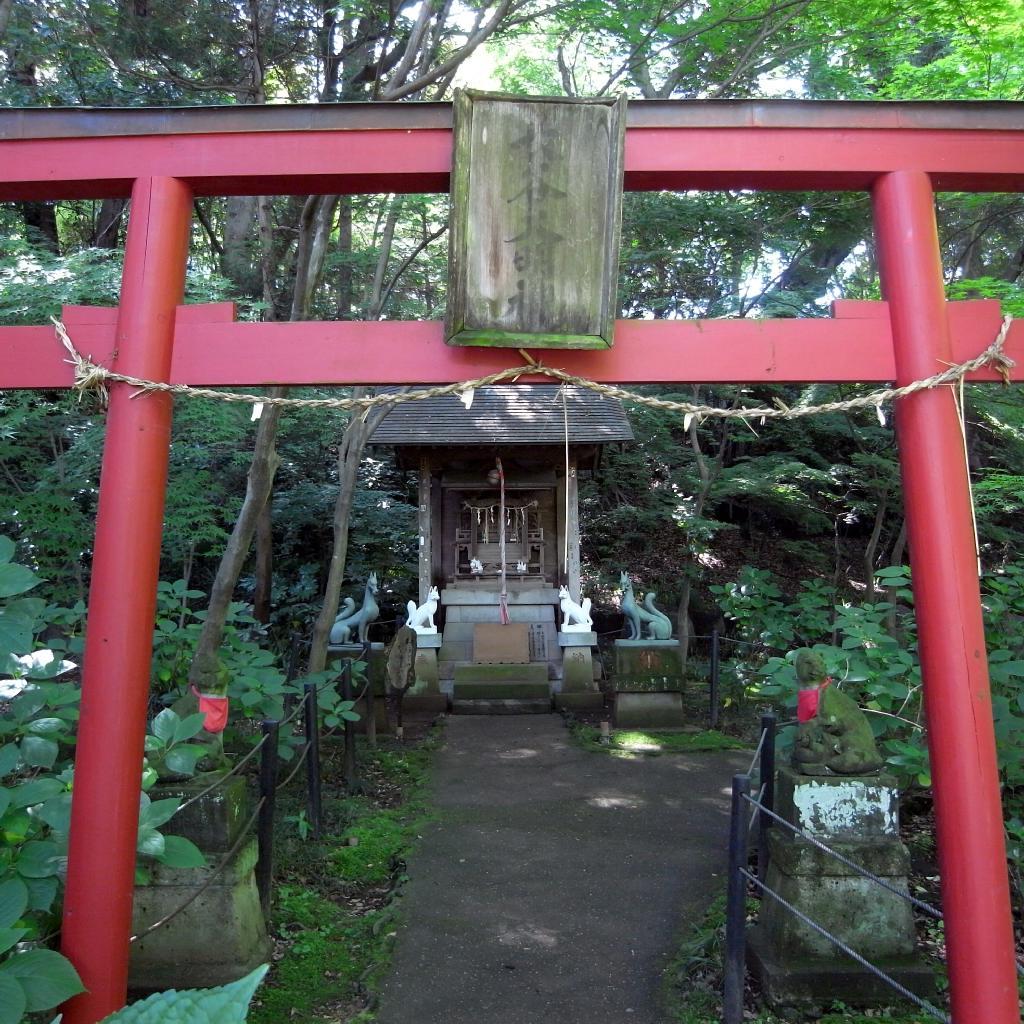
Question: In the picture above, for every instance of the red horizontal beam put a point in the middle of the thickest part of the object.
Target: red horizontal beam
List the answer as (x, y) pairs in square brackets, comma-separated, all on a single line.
[(209, 349), (419, 160)]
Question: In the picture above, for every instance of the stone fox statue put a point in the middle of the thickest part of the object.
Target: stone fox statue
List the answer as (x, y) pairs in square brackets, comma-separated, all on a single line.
[(341, 631), (833, 735), (421, 618), (659, 625)]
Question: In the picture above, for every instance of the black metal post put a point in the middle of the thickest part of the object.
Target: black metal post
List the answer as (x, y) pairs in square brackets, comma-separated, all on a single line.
[(349, 767), (713, 696), (265, 822), (312, 722), (736, 904), (371, 710), (767, 776)]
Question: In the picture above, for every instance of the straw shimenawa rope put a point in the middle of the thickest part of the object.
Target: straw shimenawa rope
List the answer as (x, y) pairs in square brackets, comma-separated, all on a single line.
[(90, 377)]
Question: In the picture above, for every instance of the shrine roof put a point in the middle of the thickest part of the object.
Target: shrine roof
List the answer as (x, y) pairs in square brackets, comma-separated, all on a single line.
[(508, 414)]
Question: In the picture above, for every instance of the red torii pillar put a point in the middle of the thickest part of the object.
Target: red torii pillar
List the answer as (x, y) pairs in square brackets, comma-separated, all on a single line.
[(122, 605), (954, 667)]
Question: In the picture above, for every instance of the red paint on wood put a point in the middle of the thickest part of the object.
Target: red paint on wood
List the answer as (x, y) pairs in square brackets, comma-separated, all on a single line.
[(209, 349), (122, 606), (972, 856), (419, 160)]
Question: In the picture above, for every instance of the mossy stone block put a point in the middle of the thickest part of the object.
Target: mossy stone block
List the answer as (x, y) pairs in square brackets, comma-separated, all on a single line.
[(221, 935), (577, 670), (647, 665), (214, 822), (536, 672), (662, 710), (839, 806)]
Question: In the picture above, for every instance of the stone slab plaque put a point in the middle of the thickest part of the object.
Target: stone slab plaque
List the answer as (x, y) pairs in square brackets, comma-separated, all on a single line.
[(496, 644), (535, 222)]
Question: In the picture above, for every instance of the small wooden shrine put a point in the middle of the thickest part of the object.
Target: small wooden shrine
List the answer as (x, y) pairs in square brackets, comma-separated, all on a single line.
[(546, 437)]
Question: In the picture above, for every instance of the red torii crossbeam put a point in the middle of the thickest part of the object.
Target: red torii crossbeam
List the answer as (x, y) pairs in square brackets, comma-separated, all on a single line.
[(901, 153)]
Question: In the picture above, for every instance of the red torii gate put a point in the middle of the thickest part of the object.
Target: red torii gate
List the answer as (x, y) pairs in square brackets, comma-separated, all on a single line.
[(900, 152)]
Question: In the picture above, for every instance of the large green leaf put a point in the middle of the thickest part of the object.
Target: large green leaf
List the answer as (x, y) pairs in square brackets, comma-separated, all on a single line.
[(6, 549), (182, 760), (57, 813), (5, 800), (150, 842), (41, 892), (9, 757), (159, 811), (189, 727), (47, 726), (10, 937), (13, 901), (180, 852), (47, 977), (35, 791), (16, 579), (165, 724), (39, 752), (228, 1004), (37, 859), (12, 1000)]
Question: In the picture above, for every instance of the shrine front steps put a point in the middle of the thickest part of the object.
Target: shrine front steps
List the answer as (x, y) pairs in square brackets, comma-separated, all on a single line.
[(490, 689), (486, 706)]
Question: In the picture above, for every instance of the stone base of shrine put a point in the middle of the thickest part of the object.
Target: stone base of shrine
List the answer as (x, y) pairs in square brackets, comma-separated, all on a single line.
[(336, 653), (592, 701), (799, 988), (858, 818), (221, 934), (648, 665), (648, 710)]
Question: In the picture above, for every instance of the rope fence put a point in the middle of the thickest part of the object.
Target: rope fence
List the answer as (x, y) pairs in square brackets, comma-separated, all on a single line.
[(263, 816), (90, 377)]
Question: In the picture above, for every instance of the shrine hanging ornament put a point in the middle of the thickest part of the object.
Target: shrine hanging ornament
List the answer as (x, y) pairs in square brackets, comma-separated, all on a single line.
[(90, 377)]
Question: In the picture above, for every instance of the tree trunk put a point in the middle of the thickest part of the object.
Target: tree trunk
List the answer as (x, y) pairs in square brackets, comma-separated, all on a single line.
[(350, 452), (264, 465), (41, 224), (264, 563), (109, 222), (345, 250), (871, 593), (236, 262)]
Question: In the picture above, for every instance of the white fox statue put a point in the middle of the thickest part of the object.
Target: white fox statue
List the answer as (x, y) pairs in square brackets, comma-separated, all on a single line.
[(575, 617), (421, 619)]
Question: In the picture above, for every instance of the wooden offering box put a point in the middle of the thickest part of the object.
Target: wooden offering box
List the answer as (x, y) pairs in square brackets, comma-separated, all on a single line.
[(535, 221)]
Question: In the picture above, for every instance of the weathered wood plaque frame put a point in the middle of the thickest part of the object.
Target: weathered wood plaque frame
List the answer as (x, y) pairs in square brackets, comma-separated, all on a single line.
[(536, 216)]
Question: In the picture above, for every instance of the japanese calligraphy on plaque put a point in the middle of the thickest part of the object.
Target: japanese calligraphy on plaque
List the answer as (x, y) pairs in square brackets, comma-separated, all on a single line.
[(535, 221)]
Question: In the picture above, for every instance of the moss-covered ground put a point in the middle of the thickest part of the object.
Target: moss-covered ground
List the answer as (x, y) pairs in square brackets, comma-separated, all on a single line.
[(334, 909), (633, 743)]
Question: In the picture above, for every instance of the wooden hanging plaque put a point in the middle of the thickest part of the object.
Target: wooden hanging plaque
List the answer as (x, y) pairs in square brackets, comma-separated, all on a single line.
[(536, 214)]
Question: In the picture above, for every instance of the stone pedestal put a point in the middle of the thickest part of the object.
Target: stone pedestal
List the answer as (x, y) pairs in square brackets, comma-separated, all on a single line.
[(858, 816), (425, 693), (219, 937), (376, 667), (648, 665), (648, 680), (579, 690), (648, 710)]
